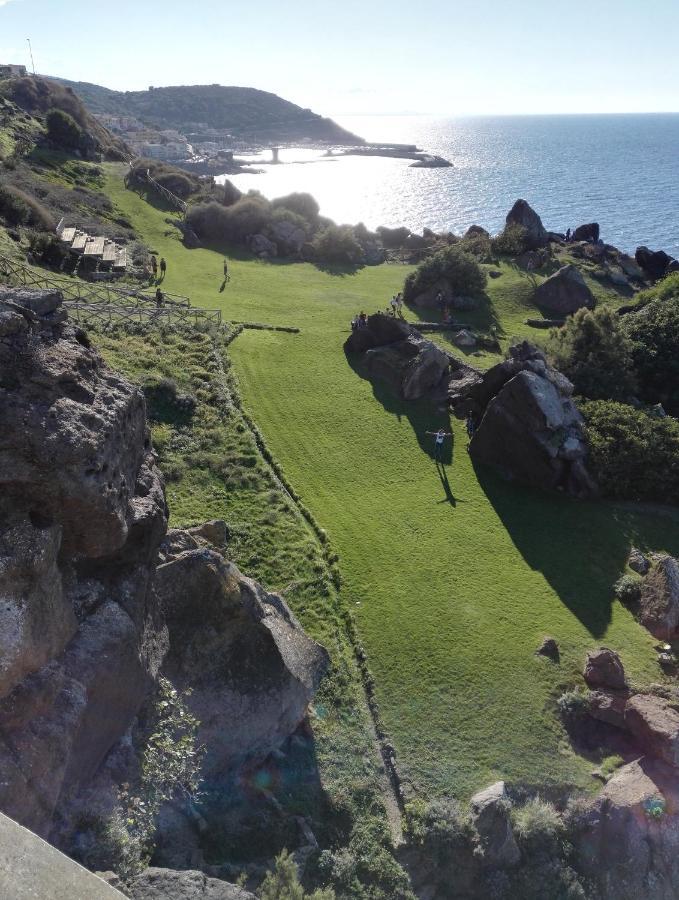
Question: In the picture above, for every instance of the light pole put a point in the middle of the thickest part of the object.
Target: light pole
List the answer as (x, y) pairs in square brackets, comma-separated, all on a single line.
[(31, 52)]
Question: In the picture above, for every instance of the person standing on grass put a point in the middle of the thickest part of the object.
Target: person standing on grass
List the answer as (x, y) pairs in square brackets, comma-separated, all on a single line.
[(163, 267), (439, 438), (470, 425), (399, 304), (154, 266)]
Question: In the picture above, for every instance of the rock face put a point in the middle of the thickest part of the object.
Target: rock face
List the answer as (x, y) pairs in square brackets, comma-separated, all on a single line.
[(523, 214), (629, 842), (659, 599), (655, 263), (167, 884), (655, 725), (529, 428), (261, 246), (564, 292), (395, 352), (251, 668), (588, 232), (490, 810), (82, 512), (603, 669)]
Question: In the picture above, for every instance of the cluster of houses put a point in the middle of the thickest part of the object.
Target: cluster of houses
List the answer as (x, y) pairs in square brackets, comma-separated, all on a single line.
[(8, 70)]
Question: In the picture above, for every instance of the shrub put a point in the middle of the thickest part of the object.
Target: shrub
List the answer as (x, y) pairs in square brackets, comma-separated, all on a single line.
[(283, 883), (477, 245), (537, 826), (19, 208), (595, 353), (230, 224), (338, 244), (632, 455), (511, 241), (393, 238), (654, 335), (460, 269), (178, 183), (230, 193), (572, 706), (303, 205), (627, 589), (439, 827), (63, 130)]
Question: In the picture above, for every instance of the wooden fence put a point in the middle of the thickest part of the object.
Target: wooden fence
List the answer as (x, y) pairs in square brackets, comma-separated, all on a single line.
[(162, 315)]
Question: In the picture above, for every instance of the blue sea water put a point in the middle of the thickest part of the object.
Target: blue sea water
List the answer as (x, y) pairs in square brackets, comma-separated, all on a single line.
[(619, 170)]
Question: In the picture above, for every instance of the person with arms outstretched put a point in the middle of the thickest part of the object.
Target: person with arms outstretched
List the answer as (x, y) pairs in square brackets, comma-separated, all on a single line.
[(439, 438)]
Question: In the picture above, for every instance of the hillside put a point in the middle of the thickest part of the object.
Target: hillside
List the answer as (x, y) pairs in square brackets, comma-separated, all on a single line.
[(246, 113)]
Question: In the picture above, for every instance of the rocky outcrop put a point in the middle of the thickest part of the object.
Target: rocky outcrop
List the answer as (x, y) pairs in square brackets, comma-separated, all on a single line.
[(490, 815), (168, 884), (654, 722), (251, 668), (564, 292), (589, 232), (82, 512), (628, 843), (397, 353), (523, 214), (603, 669), (262, 247), (655, 263), (528, 425), (659, 599), (288, 237)]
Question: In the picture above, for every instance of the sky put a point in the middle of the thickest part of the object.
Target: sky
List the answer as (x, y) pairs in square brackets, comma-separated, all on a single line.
[(353, 57)]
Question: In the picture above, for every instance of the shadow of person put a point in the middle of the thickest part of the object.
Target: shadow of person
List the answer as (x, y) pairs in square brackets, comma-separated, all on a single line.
[(581, 547), (445, 484), (222, 286)]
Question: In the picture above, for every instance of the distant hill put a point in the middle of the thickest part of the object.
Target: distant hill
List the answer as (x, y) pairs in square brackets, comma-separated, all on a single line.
[(247, 113)]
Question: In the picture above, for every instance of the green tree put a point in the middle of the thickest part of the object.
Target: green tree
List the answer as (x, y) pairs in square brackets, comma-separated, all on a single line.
[(596, 354), (654, 335), (63, 130), (283, 883), (458, 268)]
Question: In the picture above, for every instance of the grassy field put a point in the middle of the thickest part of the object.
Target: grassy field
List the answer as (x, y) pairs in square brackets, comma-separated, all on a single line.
[(453, 582)]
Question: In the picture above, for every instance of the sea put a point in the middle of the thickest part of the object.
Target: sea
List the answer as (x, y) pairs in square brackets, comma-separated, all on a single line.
[(619, 170)]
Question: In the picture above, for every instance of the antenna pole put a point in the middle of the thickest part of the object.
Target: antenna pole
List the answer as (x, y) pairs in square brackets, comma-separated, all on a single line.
[(31, 52)]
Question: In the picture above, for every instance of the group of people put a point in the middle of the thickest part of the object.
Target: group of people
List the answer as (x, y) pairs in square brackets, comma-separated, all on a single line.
[(395, 307), (359, 321)]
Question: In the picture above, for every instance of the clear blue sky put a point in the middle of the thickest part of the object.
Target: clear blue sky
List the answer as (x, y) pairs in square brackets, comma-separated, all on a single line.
[(368, 56)]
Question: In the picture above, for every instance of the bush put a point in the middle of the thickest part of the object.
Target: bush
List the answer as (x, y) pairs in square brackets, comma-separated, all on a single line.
[(654, 335), (177, 183), (63, 130), (572, 706), (439, 827), (627, 589), (283, 883), (393, 238), (632, 455), (230, 224), (19, 208), (511, 241), (338, 244), (460, 269), (537, 826), (595, 353), (230, 193), (303, 205)]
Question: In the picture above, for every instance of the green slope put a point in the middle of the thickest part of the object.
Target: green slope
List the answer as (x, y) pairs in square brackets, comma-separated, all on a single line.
[(453, 585)]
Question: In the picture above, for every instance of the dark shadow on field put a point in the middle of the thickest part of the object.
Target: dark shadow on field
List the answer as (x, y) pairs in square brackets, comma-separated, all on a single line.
[(153, 198), (482, 319), (445, 484), (422, 415), (581, 547)]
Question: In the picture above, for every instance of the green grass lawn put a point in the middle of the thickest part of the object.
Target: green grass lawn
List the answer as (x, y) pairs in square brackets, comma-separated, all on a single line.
[(453, 585)]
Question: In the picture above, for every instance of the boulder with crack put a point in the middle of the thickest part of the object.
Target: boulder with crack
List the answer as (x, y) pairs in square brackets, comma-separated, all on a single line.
[(564, 292)]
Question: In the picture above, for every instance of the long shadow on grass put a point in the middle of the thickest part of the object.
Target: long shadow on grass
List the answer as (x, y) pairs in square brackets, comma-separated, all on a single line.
[(422, 415), (580, 547)]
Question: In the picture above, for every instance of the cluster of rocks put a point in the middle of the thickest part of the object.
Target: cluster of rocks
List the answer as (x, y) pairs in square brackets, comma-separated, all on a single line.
[(99, 600), (657, 604), (393, 350), (528, 426)]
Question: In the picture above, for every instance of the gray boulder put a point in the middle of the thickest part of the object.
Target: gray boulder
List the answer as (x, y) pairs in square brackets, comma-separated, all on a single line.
[(261, 246), (252, 669), (490, 813), (589, 232), (655, 263), (608, 706), (168, 884), (654, 722), (523, 214), (564, 292), (638, 562), (628, 842), (288, 237), (603, 669), (630, 266), (659, 599)]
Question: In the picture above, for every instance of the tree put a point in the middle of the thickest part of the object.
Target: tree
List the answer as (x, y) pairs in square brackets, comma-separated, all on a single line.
[(654, 336), (452, 264), (595, 353), (302, 204), (63, 130)]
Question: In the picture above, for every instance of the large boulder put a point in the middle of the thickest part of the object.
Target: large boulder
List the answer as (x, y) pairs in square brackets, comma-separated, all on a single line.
[(523, 214), (659, 599), (628, 843), (168, 884), (589, 232), (564, 292), (251, 668), (395, 352), (261, 246), (288, 237), (654, 722), (82, 512), (490, 814), (655, 263), (529, 427), (603, 669)]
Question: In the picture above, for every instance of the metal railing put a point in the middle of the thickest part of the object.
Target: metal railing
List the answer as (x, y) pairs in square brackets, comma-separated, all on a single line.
[(171, 198)]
